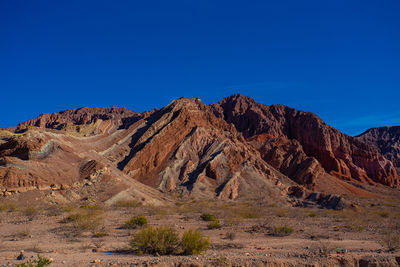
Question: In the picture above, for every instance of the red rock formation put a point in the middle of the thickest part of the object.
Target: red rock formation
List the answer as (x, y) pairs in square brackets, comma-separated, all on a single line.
[(184, 147), (339, 154), (386, 140), (75, 119), (288, 157)]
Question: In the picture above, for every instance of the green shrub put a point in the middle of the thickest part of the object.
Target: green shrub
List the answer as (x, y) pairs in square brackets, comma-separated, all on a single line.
[(164, 240), (136, 221), (215, 224), (208, 217), (100, 234), (282, 212), (85, 219), (40, 262), (383, 214), (281, 230), (194, 242), (160, 240)]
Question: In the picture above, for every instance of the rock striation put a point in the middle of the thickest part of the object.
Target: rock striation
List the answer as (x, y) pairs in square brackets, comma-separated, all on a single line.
[(339, 154), (234, 149), (386, 140), (87, 121)]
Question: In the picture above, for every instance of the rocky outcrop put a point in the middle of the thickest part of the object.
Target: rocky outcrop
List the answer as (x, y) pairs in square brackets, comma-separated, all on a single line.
[(288, 157), (184, 147), (339, 154), (386, 140), (234, 149), (87, 121)]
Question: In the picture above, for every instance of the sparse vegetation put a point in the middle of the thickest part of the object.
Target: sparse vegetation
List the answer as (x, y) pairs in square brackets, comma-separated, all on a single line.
[(100, 234), (383, 214), (136, 222), (215, 224), (194, 242), (8, 206), (208, 217), (281, 230), (164, 240), (39, 262), (230, 235), (281, 212), (86, 219)]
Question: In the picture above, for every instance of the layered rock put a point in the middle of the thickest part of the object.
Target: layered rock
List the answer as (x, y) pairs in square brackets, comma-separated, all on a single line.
[(339, 154), (87, 121), (288, 157), (184, 147), (386, 140)]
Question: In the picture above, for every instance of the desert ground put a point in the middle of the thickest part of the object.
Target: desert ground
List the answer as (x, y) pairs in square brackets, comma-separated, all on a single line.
[(249, 233)]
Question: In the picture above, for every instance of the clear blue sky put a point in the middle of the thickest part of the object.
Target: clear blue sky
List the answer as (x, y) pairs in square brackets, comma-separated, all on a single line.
[(338, 59)]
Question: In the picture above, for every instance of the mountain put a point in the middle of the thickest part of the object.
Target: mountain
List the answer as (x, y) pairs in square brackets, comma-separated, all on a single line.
[(386, 140), (308, 137), (234, 149)]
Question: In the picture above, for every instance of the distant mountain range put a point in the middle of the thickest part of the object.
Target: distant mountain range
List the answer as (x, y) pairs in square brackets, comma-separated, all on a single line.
[(236, 148)]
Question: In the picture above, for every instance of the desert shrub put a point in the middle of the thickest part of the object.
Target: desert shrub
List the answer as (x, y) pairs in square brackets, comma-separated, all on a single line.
[(281, 230), (215, 224), (136, 221), (208, 217), (230, 235), (85, 219), (194, 242), (8, 206), (100, 234), (383, 214), (39, 262), (282, 212), (312, 214), (162, 240)]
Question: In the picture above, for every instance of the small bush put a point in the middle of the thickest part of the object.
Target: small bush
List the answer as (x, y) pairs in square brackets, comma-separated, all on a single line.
[(164, 240), (8, 206), (100, 234), (281, 230), (160, 240), (230, 235), (312, 214), (30, 212), (215, 224), (136, 221), (282, 212), (194, 242), (383, 214), (208, 217), (85, 219), (39, 262)]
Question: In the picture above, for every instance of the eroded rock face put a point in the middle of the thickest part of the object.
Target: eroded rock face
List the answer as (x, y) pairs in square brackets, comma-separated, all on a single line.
[(386, 140), (288, 157), (339, 154), (85, 120), (185, 147)]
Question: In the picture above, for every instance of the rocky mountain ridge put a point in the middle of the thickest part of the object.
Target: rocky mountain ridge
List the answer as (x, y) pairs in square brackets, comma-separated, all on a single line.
[(233, 149)]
